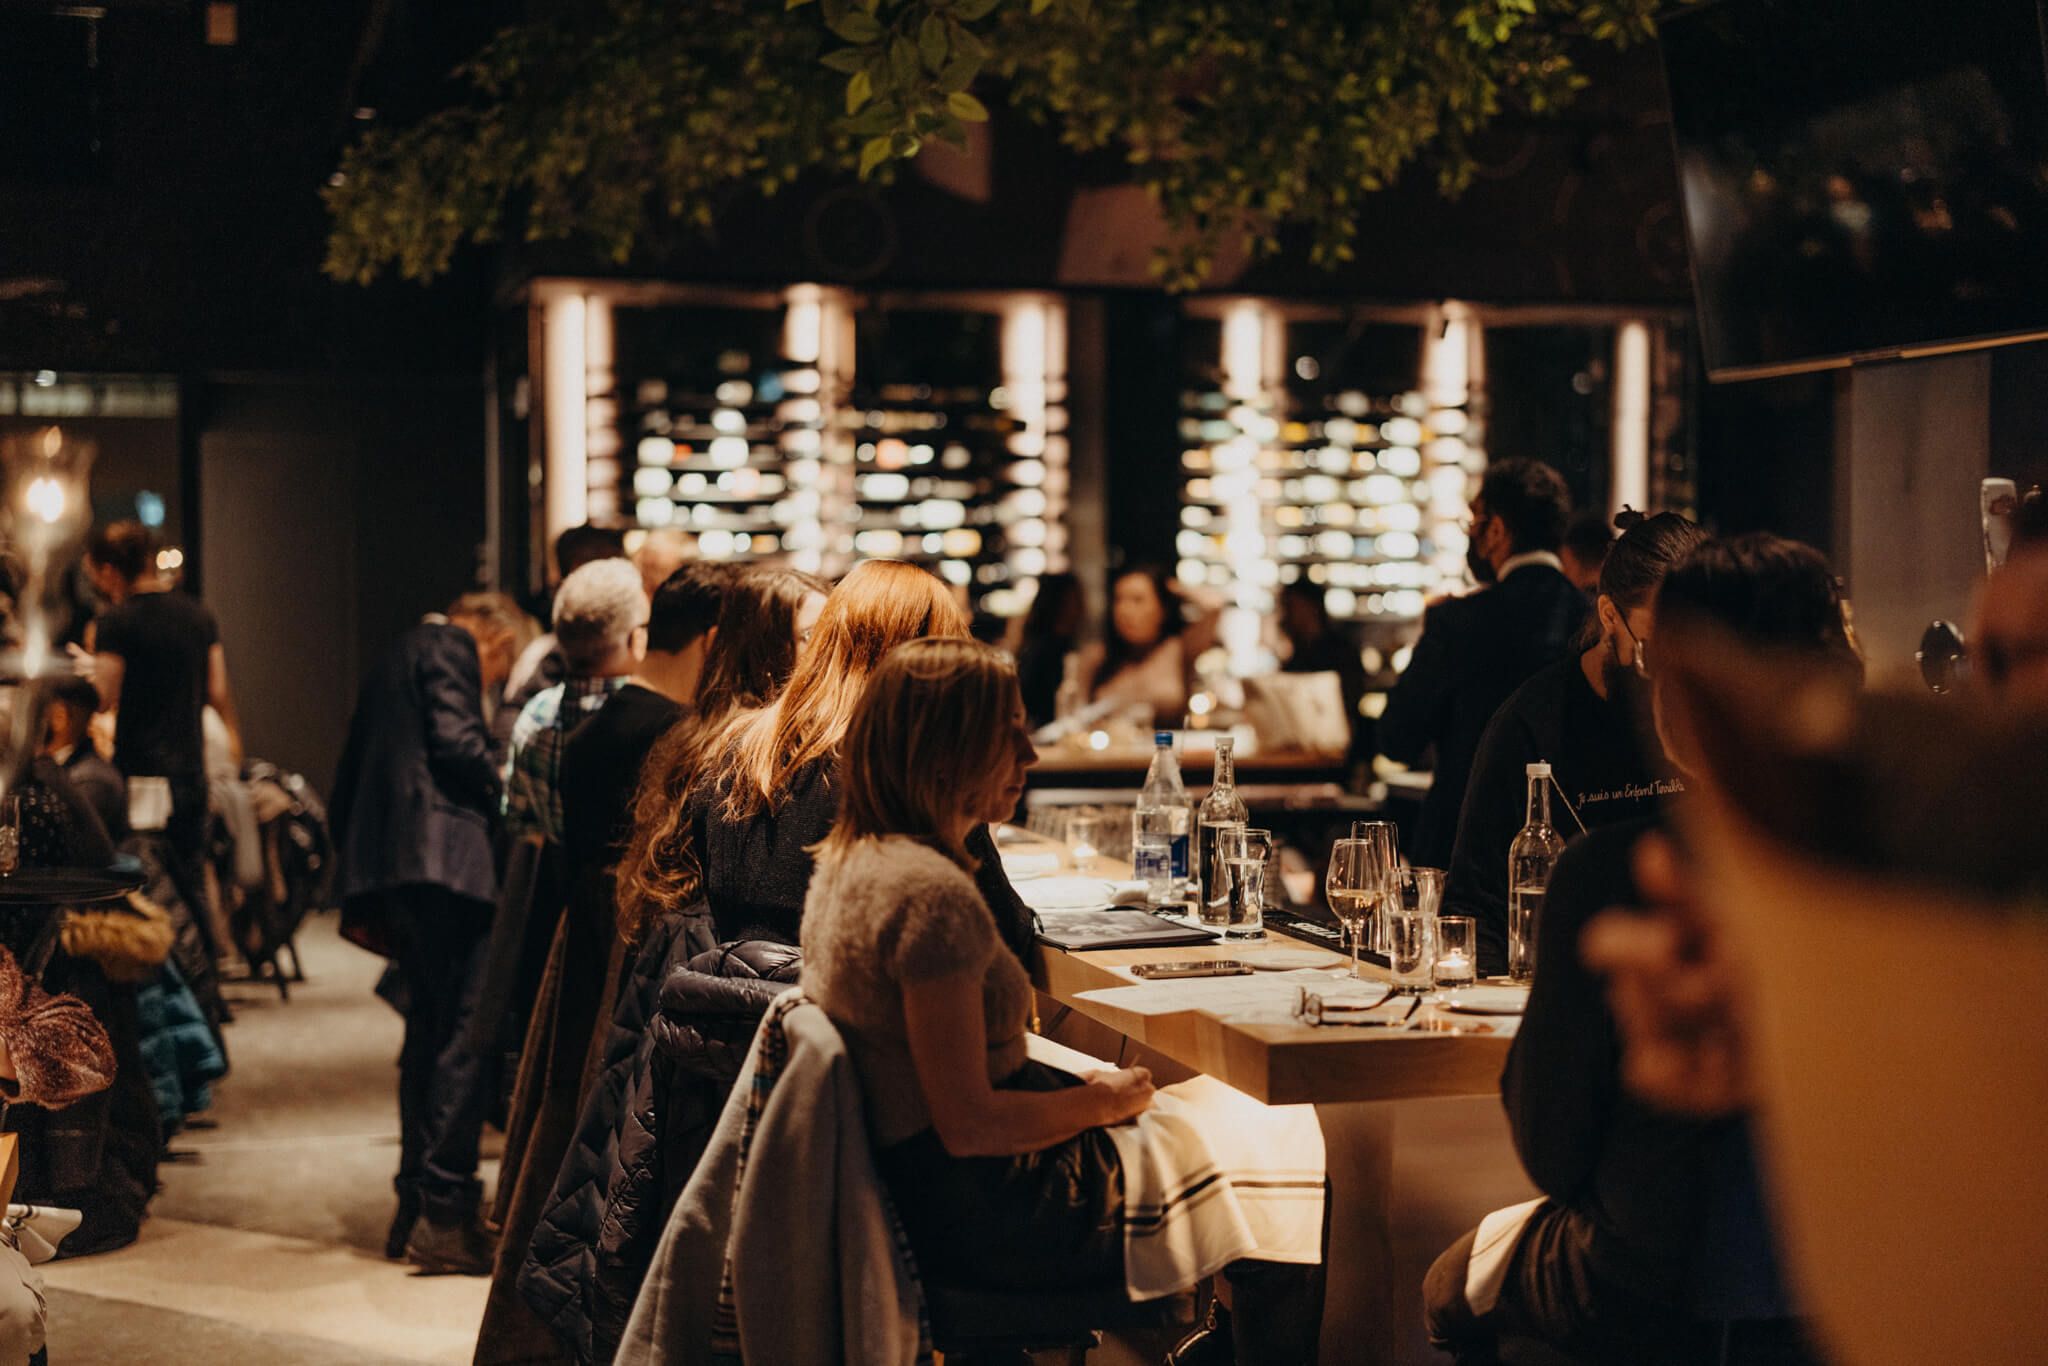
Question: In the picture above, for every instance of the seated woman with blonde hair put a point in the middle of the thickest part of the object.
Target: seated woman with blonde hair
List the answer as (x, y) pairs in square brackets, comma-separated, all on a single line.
[(1010, 1173)]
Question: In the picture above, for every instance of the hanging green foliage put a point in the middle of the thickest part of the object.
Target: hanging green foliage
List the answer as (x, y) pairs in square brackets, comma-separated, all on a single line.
[(1237, 116)]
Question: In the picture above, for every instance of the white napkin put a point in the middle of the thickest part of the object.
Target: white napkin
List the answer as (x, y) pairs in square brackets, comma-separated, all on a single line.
[(1492, 1248)]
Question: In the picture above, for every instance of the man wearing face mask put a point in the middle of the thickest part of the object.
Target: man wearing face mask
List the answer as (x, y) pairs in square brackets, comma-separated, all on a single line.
[(1477, 649), (1580, 715)]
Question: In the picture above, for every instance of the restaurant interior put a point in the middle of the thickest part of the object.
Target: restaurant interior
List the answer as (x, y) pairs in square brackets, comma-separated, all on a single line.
[(362, 316)]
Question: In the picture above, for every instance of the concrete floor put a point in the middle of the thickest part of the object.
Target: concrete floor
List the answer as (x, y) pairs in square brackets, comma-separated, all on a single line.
[(265, 1243)]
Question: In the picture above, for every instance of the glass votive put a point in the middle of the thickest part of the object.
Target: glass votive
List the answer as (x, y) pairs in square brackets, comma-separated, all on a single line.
[(1457, 950)]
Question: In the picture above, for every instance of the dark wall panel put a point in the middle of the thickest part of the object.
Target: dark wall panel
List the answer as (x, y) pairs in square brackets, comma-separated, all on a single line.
[(332, 518)]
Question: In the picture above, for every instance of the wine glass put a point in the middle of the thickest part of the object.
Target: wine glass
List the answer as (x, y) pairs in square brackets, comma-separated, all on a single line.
[(1354, 885)]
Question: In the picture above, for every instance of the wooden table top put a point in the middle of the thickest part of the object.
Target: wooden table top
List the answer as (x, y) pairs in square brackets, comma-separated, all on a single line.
[(1292, 1064), (1441, 1054)]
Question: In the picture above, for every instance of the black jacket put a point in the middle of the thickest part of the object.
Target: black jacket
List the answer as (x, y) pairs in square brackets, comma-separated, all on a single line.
[(417, 790), (681, 1032), (1473, 652)]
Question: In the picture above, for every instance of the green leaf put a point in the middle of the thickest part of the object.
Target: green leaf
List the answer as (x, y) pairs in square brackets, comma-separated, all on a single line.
[(903, 62), (1040, 6), (931, 43), (860, 88), (959, 74), (845, 60), (967, 44), (967, 11), (858, 27), (873, 153), (966, 108), (795, 4), (880, 117)]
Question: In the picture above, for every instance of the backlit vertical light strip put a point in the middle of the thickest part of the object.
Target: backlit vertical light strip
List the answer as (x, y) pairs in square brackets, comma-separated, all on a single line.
[(601, 477), (1629, 449), (807, 434), (1254, 342), (565, 418), (1033, 513), (1453, 384)]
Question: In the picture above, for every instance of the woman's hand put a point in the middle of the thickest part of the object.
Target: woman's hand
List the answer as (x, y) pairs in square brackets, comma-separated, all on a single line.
[(1123, 1092)]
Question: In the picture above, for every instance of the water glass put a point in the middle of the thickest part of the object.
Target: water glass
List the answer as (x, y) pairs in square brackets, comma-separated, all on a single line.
[(1383, 845), (1411, 926), (1244, 856), (1457, 951), (1084, 837)]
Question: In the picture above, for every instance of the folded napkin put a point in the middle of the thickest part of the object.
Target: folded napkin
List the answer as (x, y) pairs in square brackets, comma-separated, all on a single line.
[(1210, 1176)]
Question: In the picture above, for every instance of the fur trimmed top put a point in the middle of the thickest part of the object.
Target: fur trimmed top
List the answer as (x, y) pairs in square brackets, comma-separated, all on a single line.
[(889, 912)]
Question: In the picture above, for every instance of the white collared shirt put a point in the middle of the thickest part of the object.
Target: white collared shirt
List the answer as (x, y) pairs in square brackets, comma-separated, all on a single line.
[(1527, 558)]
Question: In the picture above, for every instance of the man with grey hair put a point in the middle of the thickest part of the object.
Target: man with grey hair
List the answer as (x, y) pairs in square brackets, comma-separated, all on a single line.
[(601, 626)]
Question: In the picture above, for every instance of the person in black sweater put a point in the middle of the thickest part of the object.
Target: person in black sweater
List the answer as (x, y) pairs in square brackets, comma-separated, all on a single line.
[(1581, 715), (601, 761), (158, 664), (1477, 649), (1653, 1243)]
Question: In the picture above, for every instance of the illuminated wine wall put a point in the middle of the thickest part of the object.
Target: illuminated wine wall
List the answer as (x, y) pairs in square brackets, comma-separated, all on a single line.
[(815, 429), (1308, 455)]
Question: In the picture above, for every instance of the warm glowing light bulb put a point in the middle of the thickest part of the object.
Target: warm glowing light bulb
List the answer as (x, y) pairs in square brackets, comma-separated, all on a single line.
[(45, 498)]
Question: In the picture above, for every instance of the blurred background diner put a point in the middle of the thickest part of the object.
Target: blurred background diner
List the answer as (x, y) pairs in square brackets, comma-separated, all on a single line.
[(1256, 692)]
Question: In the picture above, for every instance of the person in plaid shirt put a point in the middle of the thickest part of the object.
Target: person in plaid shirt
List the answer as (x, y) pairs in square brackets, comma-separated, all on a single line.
[(601, 624)]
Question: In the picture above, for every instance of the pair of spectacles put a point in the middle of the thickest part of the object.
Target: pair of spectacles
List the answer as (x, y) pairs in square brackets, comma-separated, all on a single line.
[(1312, 1009)]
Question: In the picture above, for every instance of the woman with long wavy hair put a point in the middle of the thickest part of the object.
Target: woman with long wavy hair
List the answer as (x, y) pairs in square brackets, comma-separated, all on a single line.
[(766, 617)]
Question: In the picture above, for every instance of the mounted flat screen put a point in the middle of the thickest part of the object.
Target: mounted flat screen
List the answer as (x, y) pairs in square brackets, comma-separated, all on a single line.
[(1861, 179)]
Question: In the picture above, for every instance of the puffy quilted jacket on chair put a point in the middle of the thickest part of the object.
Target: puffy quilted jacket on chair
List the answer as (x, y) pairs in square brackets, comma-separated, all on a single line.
[(644, 1127)]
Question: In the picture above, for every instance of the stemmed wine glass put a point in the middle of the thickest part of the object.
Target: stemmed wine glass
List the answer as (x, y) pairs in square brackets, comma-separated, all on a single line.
[(1354, 884)]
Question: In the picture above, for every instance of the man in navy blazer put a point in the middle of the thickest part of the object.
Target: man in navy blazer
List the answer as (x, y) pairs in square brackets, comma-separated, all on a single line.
[(412, 811), (1477, 649)]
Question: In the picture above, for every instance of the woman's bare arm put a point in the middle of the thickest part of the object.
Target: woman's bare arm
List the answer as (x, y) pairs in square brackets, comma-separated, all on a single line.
[(949, 1045)]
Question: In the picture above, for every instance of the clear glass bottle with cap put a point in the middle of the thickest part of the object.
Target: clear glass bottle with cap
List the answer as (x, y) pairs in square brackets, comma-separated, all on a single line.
[(1159, 830), (1221, 810), (1530, 858)]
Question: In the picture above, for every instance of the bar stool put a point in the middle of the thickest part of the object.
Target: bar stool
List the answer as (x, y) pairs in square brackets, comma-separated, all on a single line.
[(1001, 1328)]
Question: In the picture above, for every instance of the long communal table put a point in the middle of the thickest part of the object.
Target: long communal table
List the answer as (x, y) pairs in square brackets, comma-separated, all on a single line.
[(1417, 1142)]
